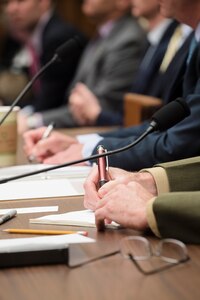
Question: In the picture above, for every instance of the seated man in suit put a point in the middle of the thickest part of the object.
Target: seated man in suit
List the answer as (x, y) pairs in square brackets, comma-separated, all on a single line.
[(34, 32), (165, 198), (60, 148), (107, 66)]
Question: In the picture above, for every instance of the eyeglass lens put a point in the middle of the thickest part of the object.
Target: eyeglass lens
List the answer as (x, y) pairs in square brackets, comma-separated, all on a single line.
[(138, 248), (172, 251)]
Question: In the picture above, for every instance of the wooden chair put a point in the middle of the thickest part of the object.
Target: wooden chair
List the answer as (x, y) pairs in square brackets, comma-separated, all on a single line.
[(138, 108)]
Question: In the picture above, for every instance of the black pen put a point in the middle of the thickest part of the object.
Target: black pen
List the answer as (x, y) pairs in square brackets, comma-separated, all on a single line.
[(45, 135), (11, 214), (103, 177)]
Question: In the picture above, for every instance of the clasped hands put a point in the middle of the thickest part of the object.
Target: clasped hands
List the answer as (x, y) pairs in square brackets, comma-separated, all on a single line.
[(84, 105), (123, 199)]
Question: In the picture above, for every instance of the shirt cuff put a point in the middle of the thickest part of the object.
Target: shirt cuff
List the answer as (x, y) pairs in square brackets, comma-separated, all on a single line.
[(89, 142), (160, 177), (151, 218), (35, 121)]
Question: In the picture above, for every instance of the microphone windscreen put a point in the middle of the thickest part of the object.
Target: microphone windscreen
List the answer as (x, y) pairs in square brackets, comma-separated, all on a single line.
[(171, 114), (73, 47)]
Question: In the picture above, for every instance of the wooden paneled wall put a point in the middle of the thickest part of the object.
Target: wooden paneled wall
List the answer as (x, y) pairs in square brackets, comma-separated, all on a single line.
[(71, 11)]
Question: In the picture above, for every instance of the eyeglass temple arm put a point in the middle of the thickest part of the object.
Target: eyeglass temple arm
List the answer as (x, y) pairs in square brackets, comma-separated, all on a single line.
[(158, 269), (93, 259)]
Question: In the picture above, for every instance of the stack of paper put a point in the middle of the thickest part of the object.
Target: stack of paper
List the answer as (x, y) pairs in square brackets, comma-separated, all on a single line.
[(84, 218), (63, 182), (42, 243), (65, 172)]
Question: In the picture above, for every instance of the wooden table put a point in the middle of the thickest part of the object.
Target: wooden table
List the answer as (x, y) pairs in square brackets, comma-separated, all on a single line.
[(111, 278)]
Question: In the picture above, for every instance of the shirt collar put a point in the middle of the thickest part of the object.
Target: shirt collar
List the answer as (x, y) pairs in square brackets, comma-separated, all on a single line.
[(105, 29), (154, 36)]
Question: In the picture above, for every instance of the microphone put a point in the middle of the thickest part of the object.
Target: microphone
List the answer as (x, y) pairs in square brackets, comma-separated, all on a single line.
[(170, 114), (164, 118), (73, 45)]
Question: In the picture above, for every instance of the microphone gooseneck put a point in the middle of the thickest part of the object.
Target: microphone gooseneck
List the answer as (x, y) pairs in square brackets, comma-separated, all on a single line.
[(72, 46), (159, 120), (28, 86)]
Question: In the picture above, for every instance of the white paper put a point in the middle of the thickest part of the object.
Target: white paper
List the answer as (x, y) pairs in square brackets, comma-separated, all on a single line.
[(65, 172), (16, 190), (30, 210), (42, 243), (75, 218)]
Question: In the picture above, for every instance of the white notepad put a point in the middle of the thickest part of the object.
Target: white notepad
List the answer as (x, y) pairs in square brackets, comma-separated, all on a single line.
[(63, 182), (18, 190), (65, 172), (83, 218)]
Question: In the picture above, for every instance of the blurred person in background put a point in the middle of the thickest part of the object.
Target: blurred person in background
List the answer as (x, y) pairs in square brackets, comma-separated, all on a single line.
[(60, 148), (34, 32), (106, 69)]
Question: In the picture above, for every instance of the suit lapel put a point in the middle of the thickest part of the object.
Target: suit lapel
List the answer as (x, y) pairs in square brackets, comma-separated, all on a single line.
[(143, 81)]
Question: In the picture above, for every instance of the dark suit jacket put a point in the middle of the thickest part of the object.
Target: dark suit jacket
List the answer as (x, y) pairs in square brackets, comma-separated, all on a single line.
[(180, 141), (147, 76), (57, 77)]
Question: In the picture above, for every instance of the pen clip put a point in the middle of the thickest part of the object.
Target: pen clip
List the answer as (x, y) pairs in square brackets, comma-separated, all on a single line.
[(107, 165)]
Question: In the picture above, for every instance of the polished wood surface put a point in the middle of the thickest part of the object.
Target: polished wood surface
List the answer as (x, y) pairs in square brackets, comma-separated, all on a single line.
[(111, 278)]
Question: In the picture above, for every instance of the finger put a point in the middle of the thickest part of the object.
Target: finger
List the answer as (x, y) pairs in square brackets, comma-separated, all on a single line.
[(108, 187), (83, 90), (100, 225), (99, 219), (90, 186), (32, 137)]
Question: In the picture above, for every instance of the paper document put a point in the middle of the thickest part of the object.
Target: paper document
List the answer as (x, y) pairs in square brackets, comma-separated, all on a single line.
[(42, 243), (67, 181), (16, 190), (85, 218), (30, 210), (65, 172)]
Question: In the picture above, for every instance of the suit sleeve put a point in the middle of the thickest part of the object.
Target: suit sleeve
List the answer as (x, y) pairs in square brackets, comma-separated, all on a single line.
[(180, 141), (176, 215)]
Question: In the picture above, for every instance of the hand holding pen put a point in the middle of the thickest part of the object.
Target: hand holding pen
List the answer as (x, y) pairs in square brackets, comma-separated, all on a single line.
[(45, 135), (103, 178)]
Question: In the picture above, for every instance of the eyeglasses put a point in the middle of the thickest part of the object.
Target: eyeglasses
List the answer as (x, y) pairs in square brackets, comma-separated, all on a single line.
[(138, 248)]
